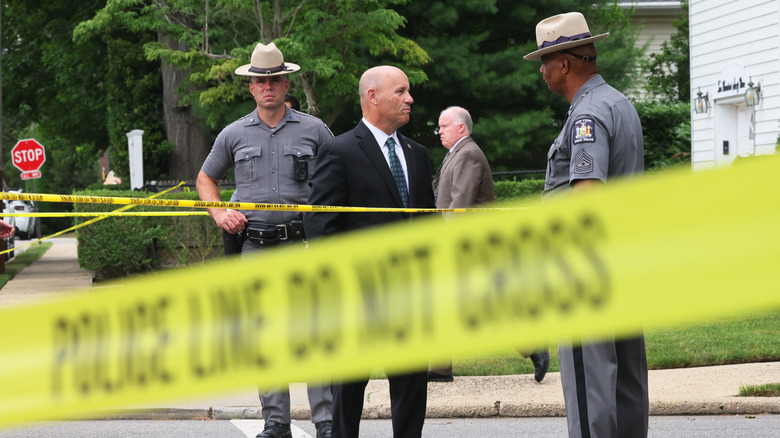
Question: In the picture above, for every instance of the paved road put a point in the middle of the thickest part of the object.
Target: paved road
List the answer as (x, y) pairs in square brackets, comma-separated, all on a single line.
[(731, 426)]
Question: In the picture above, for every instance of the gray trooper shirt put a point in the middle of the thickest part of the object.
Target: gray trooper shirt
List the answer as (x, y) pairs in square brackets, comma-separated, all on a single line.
[(601, 139), (264, 160)]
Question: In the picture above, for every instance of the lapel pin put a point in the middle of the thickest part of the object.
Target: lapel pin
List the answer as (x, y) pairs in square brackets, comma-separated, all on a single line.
[(408, 145)]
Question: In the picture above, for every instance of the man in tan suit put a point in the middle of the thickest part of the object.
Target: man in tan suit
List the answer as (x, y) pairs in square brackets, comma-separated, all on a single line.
[(464, 180)]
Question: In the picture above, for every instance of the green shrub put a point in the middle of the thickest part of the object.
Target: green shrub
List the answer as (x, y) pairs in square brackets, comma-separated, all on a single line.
[(516, 190), (667, 133), (119, 246)]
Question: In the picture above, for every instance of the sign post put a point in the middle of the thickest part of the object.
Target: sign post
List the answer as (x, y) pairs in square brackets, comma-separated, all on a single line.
[(28, 156)]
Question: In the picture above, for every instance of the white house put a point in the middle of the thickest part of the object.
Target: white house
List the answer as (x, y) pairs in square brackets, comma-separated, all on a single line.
[(655, 18), (734, 43)]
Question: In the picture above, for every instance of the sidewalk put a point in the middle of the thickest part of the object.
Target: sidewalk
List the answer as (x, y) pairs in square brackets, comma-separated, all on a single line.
[(687, 391)]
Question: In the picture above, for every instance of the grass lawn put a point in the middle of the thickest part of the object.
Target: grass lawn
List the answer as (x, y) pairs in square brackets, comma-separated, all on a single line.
[(23, 260), (768, 390), (750, 339), (754, 338)]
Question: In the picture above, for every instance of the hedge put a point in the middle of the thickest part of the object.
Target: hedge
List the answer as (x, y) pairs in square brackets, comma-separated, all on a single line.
[(515, 190), (119, 246)]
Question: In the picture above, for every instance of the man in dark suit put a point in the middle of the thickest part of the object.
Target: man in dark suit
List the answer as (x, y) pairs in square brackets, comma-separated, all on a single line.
[(374, 166)]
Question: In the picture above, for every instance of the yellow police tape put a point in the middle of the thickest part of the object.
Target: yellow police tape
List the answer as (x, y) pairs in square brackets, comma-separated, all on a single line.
[(662, 251), (108, 214), (234, 205), (75, 227)]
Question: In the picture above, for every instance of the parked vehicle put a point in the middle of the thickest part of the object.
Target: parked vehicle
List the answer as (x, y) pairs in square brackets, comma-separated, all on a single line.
[(9, 241), (25, 226)]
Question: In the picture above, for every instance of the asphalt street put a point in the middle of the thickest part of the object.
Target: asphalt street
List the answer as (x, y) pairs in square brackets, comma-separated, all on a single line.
[(726, 426)]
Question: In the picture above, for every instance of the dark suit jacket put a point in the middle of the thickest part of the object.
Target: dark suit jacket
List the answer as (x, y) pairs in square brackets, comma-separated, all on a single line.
[(352, 171)]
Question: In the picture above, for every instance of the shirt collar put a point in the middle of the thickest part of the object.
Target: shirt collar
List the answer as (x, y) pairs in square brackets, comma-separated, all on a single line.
[(253, 118), (379, 135), (457, 143), (590, 84)]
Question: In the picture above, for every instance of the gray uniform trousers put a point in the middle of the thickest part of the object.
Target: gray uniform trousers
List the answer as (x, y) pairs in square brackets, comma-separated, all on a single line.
[(605, 389), (276, 405)]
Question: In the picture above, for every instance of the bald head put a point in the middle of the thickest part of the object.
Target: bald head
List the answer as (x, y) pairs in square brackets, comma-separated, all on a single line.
[(373, 77), (385, 98)]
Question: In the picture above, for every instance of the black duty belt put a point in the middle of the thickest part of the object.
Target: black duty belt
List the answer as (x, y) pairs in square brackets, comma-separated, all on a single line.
[(273, 234)]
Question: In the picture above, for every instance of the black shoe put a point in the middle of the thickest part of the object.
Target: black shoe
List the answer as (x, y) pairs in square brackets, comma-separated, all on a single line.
[(275, 429), (437, 377), (541, 360), (323, 428)]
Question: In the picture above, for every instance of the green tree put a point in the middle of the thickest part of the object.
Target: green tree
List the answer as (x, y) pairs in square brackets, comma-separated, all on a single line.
[(666, 115), (53, 91), (134, 93), (477, 48), (201, 43), (668, 72)]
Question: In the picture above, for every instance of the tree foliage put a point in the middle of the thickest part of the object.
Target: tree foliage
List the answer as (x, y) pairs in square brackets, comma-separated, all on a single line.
[(477, 49), (668, 73), (80, 75), (134, 91), (205, 41), (52, 91)]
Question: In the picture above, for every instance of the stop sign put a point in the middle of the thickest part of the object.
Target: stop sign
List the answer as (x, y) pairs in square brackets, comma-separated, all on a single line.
[(28, 156)]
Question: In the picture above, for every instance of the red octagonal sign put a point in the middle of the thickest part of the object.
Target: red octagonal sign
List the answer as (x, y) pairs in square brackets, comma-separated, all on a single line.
[(28, 156)]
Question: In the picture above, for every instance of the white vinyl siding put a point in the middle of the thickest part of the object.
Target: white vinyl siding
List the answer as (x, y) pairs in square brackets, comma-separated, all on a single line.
[(742, 32)]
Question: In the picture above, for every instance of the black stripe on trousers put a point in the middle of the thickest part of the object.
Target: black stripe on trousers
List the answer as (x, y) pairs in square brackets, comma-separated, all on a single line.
[(582, 393)]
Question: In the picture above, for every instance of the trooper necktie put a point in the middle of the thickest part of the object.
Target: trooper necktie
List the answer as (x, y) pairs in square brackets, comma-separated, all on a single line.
[(398, 171)]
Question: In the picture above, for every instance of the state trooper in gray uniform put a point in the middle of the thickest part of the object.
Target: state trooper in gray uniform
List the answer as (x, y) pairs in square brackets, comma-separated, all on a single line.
[(604, 383), (273, 150)]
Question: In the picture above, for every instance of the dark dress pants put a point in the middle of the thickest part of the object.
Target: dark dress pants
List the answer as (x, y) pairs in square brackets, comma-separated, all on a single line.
[(408, 399)]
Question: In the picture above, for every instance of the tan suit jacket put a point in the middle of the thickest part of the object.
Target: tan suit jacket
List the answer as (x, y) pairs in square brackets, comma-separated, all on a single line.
[(464, 178)]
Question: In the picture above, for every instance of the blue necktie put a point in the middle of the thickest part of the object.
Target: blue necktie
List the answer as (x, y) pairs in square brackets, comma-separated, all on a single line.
[(398, 171)]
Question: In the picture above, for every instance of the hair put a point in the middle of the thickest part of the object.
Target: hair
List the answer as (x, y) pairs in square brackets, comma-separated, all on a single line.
[(461, 115), (294, 103)]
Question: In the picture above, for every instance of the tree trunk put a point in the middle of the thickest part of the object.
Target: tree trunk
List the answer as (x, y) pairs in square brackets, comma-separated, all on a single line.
[(183, 128)]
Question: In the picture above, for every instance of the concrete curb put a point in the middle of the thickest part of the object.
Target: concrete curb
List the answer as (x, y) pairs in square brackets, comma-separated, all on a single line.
[(749, 406)]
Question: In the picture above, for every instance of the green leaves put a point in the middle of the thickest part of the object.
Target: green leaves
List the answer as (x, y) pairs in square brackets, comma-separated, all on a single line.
[(668, 72)]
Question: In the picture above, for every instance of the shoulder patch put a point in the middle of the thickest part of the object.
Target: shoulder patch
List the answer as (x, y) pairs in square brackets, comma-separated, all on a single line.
[(584, 131), (583, 163)]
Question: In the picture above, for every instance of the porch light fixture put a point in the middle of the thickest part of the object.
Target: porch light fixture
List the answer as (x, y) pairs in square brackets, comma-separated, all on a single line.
[(701, 103), (753, 94)]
